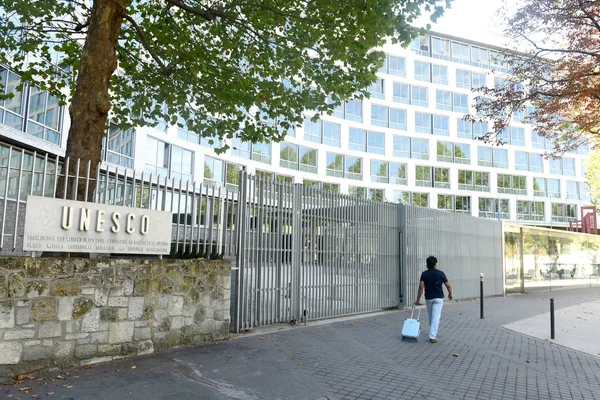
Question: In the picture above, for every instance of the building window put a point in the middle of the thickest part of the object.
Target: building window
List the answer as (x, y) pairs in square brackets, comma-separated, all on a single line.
[(379, 171), (388, 117), (297, 157), (530, 210), (357, 191), (439, 74), (498, 62), (384, 172), (441, 178), (441, 125), (460, 53), (513, 184), (563, 212), (457, 204), (322, 132), (440, 48), (443, 100), (326, 186), (370, 142), (120, 146), (44, 116), (350, 110), (488, 157), (342, 166), (376, 89), (499, 82), (420, 149), (453, 152), (479, 57), (528, 161), (401, 146), (464, 129), (213, 142), (477, 80), (393, 65), (401, 93), (537, 141), (480, 129), (422, 122), (423, 176), (420, 45), (488, 208), (461, 103), (422, 71), (406, 94), (11, 110), (219, 173), (260, 152), (545, 187), (167, 160), (474, 180), (463, 79), (572, 190)]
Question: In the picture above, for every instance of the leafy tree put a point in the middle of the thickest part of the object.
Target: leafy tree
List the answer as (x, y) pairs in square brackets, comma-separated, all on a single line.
[(592, 176), (222, 66), (555, 84)]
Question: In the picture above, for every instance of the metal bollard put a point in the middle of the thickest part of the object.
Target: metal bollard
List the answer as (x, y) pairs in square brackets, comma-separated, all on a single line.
[(552, 333), (481, 295)]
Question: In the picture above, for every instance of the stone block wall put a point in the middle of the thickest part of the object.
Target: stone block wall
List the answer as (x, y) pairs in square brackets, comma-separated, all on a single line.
[(62, 312)]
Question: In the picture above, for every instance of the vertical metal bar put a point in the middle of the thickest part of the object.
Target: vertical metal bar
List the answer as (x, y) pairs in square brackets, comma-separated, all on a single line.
[(240, 257), (178, 215), (76, 180), (280, 251), (133, 189), (193, 204), (187, 193), (205, 235), (87, 180), (32, 173), (259, 252), (45, 171), (297, 247), (6, 197), (106, 183), (552, 331), (149, 202), (55, 183), (116, 186), (18, 200), (66, 173), (199, 207), (124, 187), (481, 296), (225, 224), (210, 221)]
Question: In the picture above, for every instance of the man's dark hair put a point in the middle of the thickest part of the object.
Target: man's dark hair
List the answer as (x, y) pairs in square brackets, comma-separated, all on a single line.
[(431, 261)]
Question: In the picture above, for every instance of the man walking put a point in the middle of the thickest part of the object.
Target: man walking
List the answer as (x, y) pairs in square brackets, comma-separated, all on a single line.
[(431, 282)]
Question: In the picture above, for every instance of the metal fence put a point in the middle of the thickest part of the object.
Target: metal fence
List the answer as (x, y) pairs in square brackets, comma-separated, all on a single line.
[(306, 253), (203, 216), (464, 246)]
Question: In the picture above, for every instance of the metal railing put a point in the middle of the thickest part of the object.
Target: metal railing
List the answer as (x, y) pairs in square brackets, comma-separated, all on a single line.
[(204, 216)]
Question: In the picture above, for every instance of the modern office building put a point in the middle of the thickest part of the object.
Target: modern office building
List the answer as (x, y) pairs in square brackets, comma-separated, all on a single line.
[(407, 143)]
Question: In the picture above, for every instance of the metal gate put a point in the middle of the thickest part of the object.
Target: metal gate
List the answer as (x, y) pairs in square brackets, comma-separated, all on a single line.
[(308, 253)]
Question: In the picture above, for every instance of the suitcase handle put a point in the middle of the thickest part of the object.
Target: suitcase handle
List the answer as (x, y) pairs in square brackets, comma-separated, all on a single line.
[(413, 311)]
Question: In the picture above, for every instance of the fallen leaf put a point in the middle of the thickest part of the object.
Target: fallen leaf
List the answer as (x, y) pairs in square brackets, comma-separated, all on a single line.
[(455, 355), (67, 386), (228, 356), (302, 364), (262, 338), (282, 328), (133, 367), (89, 366), (355, 320), (60, 377), (10, 395), (527, 361), (50, 393)]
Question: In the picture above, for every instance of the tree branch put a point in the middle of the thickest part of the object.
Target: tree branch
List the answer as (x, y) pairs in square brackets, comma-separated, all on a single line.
[(210, 15), (147, 45)]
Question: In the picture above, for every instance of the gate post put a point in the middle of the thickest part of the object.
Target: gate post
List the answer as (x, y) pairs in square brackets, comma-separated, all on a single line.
[(297, 248), (402, 256), (240, 260)]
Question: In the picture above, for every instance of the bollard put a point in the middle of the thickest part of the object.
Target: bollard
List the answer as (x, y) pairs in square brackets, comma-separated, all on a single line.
[(552, 319), (481, 294)]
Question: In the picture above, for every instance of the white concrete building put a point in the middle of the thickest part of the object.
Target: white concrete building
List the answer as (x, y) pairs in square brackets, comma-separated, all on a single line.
[(406, 143)]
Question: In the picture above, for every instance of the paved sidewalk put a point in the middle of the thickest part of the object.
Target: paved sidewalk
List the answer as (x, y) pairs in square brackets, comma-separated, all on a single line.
[(357, 358)]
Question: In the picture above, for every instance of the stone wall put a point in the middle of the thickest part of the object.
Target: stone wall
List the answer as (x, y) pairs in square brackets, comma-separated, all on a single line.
[(62, 312)]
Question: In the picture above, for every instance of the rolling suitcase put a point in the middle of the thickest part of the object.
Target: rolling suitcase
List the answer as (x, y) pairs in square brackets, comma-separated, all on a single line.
[(411, 327)]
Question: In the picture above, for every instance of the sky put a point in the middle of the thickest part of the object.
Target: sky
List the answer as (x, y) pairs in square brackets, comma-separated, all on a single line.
[(475, 20)]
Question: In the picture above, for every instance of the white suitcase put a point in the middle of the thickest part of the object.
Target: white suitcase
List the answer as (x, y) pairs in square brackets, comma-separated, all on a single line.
[(411, 327)]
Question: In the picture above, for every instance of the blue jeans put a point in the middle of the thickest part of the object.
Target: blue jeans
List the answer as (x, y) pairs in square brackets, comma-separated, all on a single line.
[(434, 310)]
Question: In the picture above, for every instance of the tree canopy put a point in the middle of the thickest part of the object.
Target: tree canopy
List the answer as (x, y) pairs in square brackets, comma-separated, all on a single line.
[(219, 68), (555, 84), (592, 176)]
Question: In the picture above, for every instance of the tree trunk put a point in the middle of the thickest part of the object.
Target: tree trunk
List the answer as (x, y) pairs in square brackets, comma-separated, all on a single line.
[(91, 101)]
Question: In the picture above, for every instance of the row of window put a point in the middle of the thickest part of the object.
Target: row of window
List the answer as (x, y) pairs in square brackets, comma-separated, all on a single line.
[(31, 110)]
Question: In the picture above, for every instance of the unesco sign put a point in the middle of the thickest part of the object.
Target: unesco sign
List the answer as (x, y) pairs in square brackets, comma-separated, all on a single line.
[(80, 227)]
